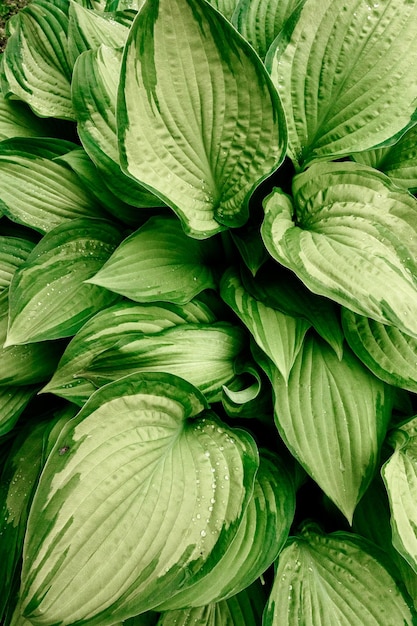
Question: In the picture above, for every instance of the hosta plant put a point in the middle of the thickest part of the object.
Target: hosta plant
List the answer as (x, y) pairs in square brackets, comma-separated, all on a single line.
[(208, 313)]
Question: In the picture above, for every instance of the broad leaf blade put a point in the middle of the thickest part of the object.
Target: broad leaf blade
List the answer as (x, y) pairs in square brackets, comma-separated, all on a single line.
[(279, 335), (260, 21), (159, 262), (333, 415), (36, 68), (13, 401), (124, 494), (38, 191), (94, 90), (343, 70), (108, 327), (49, 298), (389, 353), (400, 477), (13, 252), (17, 120), (334, 579), (203, 153), (354, 240)]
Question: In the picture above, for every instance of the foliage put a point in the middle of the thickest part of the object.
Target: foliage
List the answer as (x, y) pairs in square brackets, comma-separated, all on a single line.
[(208, 312)]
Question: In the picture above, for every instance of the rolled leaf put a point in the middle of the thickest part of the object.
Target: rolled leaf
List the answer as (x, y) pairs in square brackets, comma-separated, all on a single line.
[(124, 501), (400, 477), (388, 352), (109, 327), (354, 240), (343, 71), (159, 262), (334, 579), (200, 122), (333, 415), (36, 67), (49, 298), (37, 191), (94, 92), (279, 335)]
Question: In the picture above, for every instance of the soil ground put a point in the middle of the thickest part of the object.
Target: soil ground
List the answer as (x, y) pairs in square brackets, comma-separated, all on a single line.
[(7, 9)]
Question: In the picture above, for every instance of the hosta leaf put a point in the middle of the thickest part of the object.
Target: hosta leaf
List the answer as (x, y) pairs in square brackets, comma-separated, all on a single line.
[(94, 90), (49, 298), (276, 287), (334, 579), (121, 5), (13, 401), (354, 240), (124, 498), (159, 262), (200, 122), (343, 70), (13, 252), (37, 191), (279, 335), (17, 120), (248, 398), (260, 21), (28, 364), (399, 161), (108, 327), (204, 355), (225, 7), (260, 537), (243, 609), (36, 67), (400, 477), (389, 353), (333, 415), (88, 29)]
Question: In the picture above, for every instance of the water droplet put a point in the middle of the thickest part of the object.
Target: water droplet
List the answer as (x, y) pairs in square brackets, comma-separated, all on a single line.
[(203, 533)]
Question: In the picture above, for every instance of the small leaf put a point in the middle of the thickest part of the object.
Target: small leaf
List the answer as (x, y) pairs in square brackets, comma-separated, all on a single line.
[(280, 336), (159, 262), (354, 240), (36, 68), (334, 579), (388, 352), (260, 21), (343, 71), (37, 190), (121, 502), (49, 298), (94, 91), (333, 415), (205, 153), (400, 477), (104, 330)]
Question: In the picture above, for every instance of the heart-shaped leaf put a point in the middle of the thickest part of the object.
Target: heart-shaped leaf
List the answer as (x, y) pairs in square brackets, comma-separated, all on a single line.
[(334, 579), (333, 415), (343, 69), (124, 501), (352, 237), (205, 153)]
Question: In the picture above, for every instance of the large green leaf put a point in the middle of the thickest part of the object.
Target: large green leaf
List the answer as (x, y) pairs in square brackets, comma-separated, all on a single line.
[(389, 353), (243, 609), (226, 7), (200, 122), (204, 355), (159, 262), (36, 67), (94, 90), (400, 477), (334, 579), (121, 515), (13, 401), (49, 298), (344, 70), (351, 236), (260, 21), (259, 539), (36, 189), (279, 335), (108, 327), (333, 415), (17, 120), (13, 252)]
